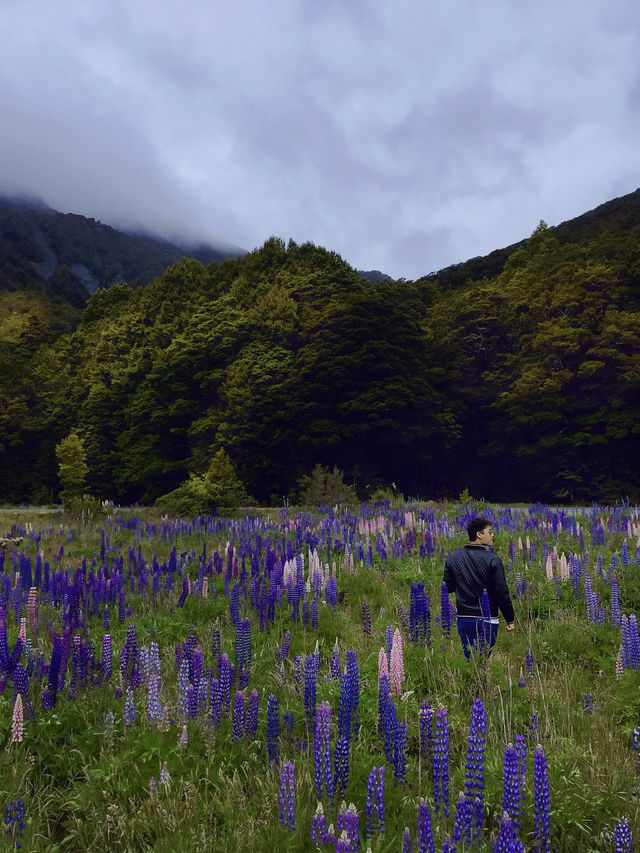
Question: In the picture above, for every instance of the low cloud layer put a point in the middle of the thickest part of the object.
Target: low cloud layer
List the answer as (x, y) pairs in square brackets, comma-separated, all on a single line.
[(405, 136)]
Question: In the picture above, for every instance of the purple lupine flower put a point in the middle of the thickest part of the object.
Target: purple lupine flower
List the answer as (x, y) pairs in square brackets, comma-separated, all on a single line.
[(251, 720), (310, 677), (341, 766), (237, 729), (165, 776), (371, 802), (375, 801), (528, 662), (215, 702), (588, 703), (322, 752), (474, 775), (319, 834), (106, 664), (344, 707), (129, 708), (331, 592), (463, 826), (485, 609), (273, 729), (121, 605), (634, 642), (389, 641), (440, 762), (399, 753), (354, 689), (109, 726), (508, 841), (192, 702), (314, 615), (287, 799), (407, 843), (390, 720), (541, 800), (154, 708), (366, 619), (615, 602), (426, 728), (511, 782), (225, 681), (380, 799), (622, 837), (384, 696), (424, 834), (183, 740), (352, 827), (334, 666), (445, 610)]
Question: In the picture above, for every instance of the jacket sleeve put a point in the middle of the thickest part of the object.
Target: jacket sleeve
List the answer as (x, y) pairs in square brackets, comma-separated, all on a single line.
[(449, 577), (501, 589)]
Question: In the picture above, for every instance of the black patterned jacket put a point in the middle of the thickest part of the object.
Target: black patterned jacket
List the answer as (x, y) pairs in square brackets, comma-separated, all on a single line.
[(471, 569)]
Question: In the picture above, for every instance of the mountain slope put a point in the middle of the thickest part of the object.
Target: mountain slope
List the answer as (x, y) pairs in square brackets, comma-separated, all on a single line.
[(71, 256), (619, 214)]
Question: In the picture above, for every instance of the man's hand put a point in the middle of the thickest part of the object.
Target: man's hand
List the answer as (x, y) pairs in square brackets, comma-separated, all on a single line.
[(511, 626)]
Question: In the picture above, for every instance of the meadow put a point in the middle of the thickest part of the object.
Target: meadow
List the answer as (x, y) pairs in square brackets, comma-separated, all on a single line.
[(294, 681)]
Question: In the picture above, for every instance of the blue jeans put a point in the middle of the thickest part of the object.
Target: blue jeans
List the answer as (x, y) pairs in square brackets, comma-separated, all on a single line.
[(476, 634)]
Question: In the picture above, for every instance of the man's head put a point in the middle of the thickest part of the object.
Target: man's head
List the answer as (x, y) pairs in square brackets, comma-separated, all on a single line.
[(480, 531)]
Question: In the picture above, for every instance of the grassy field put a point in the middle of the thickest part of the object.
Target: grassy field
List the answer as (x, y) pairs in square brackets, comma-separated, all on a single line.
[(145, 746)]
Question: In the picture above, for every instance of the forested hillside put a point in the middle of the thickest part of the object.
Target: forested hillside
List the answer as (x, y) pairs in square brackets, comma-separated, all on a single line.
[(520, 385), (71, 256)]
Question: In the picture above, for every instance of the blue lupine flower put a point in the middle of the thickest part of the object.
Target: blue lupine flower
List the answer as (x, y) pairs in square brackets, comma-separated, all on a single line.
[(424, 833), (541, 800), (251, 720), (445, 610), (440, 762), (508, 841), (426, 727), (310, 678), (463, 826), (322, 752), (622, 837), (384, 696), (474, 776), (237, 728), (399, 753), (341, 766), (273, 729), (287, 800), (129, 708)]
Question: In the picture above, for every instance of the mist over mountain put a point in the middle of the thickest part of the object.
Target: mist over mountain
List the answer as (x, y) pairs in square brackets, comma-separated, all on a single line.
[(71, 256)]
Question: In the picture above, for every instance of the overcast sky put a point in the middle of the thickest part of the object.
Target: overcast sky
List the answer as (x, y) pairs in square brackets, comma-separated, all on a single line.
[(404, 134)]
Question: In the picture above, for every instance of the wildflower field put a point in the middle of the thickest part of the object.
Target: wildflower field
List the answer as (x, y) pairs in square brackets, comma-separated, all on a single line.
[(294, 681)]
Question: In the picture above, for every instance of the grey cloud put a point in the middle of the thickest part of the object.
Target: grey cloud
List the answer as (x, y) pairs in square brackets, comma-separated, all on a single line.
[(404, 135)]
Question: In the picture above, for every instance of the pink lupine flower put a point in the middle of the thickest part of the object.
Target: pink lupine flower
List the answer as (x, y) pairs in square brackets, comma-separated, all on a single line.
[(383, 665), (22, 633), (183, 740), (205, 587), (396, 673), (32, 607), (17, 725)]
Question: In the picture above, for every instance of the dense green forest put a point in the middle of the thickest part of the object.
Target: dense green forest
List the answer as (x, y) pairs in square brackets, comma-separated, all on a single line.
[(517, 376)]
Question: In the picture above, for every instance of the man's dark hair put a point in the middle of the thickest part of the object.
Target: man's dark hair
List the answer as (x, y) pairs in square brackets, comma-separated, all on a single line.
[(476, 525)]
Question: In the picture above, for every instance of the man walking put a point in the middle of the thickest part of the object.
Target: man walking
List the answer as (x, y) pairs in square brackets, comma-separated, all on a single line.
[(467, 572)]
